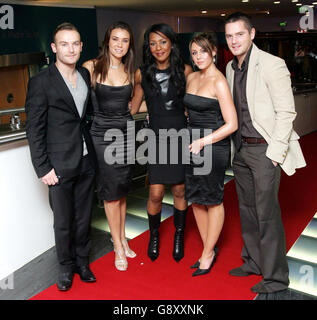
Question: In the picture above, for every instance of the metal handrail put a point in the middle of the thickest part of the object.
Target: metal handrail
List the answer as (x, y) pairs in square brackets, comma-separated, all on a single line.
[(12, 137), (4, 112)]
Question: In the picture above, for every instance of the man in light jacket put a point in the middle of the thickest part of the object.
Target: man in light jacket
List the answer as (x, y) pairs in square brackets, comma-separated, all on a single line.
[(264, 143)]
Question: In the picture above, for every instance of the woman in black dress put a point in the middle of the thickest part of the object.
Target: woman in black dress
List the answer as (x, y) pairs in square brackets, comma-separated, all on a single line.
[(112, 75), (210, 106), (162, 80)]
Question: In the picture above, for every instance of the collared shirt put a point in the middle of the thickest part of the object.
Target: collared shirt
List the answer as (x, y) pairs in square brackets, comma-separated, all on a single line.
[(246, 128)]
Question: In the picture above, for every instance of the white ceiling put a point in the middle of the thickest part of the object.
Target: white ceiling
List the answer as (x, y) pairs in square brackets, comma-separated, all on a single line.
[(186, 7)]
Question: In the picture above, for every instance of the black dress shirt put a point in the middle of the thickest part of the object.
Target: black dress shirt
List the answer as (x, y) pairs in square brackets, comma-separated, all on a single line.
[(246, 128)]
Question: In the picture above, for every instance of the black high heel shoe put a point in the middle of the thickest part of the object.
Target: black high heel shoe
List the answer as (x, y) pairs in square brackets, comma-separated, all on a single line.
[(200, 272), (195, 265)]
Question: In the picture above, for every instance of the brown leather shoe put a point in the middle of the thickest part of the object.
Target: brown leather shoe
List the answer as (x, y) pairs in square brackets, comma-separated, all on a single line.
[(261, 288), (238, 272)]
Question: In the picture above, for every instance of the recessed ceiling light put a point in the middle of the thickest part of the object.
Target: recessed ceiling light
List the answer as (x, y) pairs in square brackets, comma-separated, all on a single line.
[(203, 11), (294, 0), (277, 2), (245, 0), (268, 12), (223, 14), (299, 4)]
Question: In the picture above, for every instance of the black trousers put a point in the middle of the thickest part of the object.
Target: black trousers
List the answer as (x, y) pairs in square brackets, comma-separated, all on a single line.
[(257, 182), (71, 201)]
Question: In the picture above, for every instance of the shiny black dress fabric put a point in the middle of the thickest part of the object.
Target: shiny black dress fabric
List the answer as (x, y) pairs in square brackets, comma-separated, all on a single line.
[(206, 189), (111, 112), (166, 111)]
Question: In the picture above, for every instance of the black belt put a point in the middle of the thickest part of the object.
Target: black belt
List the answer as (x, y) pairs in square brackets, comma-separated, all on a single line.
[(253, 140)]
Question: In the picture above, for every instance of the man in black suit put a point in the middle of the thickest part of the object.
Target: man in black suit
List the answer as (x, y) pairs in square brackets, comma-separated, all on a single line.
[(62, 151)]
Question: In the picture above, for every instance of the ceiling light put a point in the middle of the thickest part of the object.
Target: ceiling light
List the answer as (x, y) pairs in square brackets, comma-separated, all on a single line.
[(223, 14), (299, 4), (314, 2), (268, 12), (245, 0), (277, 2), (204, 11), (294, 0)]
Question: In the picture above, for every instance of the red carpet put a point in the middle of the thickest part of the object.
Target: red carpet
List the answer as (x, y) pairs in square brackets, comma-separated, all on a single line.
[(165, 279)]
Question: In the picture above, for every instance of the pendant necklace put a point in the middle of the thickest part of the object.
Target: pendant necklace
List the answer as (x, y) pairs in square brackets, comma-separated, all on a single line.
[(115, 67)]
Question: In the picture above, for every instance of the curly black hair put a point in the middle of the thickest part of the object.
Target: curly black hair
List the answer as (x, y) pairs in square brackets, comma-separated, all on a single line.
[(177, 65)]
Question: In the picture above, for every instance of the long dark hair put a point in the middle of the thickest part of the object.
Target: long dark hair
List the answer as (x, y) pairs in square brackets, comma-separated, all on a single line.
[(177, 65), (102, 62)]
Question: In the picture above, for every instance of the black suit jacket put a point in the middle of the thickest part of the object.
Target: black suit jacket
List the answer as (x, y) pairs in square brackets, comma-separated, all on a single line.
[(54, 128)]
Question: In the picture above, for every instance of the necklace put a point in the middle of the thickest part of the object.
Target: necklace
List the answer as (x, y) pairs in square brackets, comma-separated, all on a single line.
[(73, 81), (73, 84), (115, 67)]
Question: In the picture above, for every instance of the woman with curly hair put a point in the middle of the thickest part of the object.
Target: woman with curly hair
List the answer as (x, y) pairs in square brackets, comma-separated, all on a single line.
[(162, 80)]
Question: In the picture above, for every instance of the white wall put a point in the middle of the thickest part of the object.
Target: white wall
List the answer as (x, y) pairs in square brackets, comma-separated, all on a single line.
[(26, 220)]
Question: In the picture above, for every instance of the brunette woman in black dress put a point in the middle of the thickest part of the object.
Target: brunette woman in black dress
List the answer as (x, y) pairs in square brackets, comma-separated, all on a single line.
[(112, 74), (162, 80), (210, 106)]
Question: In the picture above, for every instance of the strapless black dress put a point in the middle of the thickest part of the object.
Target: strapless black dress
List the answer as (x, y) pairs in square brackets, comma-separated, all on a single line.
[(204, 117), (110, 136)]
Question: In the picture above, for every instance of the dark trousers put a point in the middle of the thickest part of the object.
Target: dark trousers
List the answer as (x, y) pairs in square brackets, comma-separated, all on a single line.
[(257, 183), (71, 201)]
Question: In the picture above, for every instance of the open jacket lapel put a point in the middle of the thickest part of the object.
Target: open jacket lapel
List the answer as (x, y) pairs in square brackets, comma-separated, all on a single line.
[(60, 85), (87, 81), (230, 77), (252, 78)]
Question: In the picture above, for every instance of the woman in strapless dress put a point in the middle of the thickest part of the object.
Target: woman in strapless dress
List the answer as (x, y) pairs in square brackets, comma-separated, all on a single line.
[(112, 74), (212, 118)]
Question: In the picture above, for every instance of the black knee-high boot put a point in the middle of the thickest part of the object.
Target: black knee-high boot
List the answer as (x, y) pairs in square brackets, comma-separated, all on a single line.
[(154, 223), (179, 223)]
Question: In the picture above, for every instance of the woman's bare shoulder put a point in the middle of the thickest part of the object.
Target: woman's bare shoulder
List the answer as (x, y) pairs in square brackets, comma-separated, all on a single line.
[(193, 76), (138, 76), (90, 64), (188, 70)]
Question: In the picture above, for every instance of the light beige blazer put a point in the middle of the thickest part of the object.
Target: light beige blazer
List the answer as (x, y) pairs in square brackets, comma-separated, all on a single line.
[(272, 108)]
